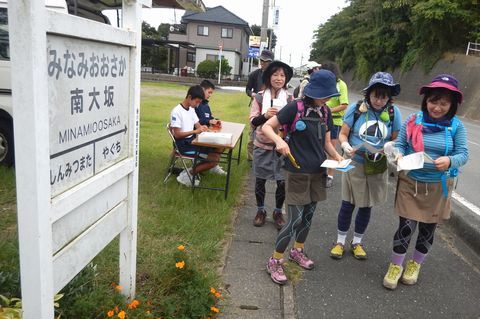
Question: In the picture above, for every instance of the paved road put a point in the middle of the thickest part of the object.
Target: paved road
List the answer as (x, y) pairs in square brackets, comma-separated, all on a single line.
[(448, 286)]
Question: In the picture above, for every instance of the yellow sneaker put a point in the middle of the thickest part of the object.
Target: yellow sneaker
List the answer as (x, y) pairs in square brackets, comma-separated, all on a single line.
[(394, 272), (410, 275), (358, 251), (337, 251)]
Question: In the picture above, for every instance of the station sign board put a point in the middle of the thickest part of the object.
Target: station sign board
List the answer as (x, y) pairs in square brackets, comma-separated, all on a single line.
[(89, 115)]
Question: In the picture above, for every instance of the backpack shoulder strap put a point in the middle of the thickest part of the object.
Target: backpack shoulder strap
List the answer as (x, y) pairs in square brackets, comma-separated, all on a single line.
[(259, 99), (454, 126), (356, 113)]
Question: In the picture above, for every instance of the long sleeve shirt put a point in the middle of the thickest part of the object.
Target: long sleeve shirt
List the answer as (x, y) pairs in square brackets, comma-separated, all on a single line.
[(435, 144)]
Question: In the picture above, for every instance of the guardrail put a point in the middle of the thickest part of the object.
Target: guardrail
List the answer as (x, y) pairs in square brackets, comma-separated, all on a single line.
[(474, 47)]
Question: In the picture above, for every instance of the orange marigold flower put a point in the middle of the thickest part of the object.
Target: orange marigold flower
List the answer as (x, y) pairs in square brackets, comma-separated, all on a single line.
[(215, 309), (110, 314), (116, 309), (218, 295), (133, 304), (118, 288), (181, 247), (121, 314), (180, 264), (212, 290)]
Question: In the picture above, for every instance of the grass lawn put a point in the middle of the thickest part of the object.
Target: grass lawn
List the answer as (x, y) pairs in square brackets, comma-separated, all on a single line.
[(169, 216)]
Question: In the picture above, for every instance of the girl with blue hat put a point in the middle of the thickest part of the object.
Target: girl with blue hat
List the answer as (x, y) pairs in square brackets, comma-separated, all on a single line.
[(306, 126), (367, 126)]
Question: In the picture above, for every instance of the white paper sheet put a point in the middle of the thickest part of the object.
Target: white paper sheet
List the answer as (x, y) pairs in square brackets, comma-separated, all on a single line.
[(369, 147), (277, 103), (336, 164), (411, 162)]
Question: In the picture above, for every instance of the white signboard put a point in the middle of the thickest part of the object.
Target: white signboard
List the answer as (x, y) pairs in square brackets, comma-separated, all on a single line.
[(88, 97)]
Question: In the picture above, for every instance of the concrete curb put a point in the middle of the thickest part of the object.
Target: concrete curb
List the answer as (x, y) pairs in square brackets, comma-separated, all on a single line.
[(466, 224)]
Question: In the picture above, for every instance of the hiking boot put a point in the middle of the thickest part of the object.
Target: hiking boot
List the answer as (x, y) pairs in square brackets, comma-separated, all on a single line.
[(394, 272), (260, 218), (358, 251), (278, 219), (218, 170), (410, 275), (337, 251), (329, 182), (275, 269), (298, 256)]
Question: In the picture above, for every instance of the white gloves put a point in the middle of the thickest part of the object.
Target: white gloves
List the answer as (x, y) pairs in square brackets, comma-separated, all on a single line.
[(347, 148), (391, 151)]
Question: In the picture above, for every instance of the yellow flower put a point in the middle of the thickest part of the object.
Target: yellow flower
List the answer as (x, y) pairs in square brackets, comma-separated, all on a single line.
[(212, 290), (110, 314), (218, 295), (215, 309), (181, 247), (121, 314), (180, 264)]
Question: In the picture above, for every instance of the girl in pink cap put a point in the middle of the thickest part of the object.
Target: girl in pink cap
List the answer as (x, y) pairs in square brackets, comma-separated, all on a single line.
[(423, 195)]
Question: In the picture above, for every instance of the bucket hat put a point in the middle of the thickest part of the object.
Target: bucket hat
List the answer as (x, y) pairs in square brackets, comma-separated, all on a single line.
[(266, 55), (323, 84), (383, 78), (269, 70), (445, 81)]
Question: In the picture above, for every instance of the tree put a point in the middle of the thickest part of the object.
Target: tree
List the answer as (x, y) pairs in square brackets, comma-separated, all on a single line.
[(372, 35), (209, 68)]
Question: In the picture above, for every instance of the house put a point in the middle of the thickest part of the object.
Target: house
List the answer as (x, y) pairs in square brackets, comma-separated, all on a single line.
[(201, 36)]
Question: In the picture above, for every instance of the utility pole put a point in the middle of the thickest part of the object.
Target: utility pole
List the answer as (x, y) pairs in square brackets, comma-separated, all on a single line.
[(263, 32)]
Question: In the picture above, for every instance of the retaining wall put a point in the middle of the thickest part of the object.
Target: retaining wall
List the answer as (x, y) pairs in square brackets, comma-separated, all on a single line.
[(465, 68)]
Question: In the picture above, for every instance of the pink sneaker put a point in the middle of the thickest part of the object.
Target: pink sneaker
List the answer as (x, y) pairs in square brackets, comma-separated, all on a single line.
[(298, 256), (275, 269)]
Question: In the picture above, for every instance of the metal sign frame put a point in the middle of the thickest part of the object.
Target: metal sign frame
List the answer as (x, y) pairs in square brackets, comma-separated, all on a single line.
[(59, 235)]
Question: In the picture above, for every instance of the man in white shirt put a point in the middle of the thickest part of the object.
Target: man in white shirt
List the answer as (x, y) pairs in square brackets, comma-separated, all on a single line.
[(184, 124)]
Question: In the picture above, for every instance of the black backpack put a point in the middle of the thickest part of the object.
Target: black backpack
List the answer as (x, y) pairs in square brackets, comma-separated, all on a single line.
[(297, 89)]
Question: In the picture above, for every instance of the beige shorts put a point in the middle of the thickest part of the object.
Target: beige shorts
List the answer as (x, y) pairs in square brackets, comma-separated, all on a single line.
[(304, 188)]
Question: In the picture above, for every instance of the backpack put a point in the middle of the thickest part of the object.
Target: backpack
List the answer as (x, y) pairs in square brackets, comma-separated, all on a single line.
[(451, 172), (288, 129), (357, 113), (296, 91)]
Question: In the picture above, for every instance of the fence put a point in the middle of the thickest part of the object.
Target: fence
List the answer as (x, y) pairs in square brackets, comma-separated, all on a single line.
[(473, 48)]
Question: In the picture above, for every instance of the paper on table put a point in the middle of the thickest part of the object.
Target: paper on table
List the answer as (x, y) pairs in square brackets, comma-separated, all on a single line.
[(336, 164), (276, 104), (410, 162), (369, 147)]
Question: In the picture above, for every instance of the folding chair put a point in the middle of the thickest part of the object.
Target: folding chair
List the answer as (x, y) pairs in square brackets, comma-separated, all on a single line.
[(175, 156)]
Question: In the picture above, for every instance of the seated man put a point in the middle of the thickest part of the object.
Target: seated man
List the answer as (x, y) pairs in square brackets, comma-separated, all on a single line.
[(184, 125), (205, 116)]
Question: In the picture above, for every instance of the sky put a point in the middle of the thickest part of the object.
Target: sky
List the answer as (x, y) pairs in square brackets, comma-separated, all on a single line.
[(297, 22)]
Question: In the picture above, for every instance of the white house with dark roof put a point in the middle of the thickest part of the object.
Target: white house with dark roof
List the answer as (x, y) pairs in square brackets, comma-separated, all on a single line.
[(205, 32)]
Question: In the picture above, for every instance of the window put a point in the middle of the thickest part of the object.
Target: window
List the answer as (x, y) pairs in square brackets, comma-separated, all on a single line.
[(4, 47), (202, 30), (227, 33), (214, 57), (190, 56)]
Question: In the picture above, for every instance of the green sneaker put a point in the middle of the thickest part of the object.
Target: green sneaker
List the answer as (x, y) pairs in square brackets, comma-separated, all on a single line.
[(410, 275), (394, 272)]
